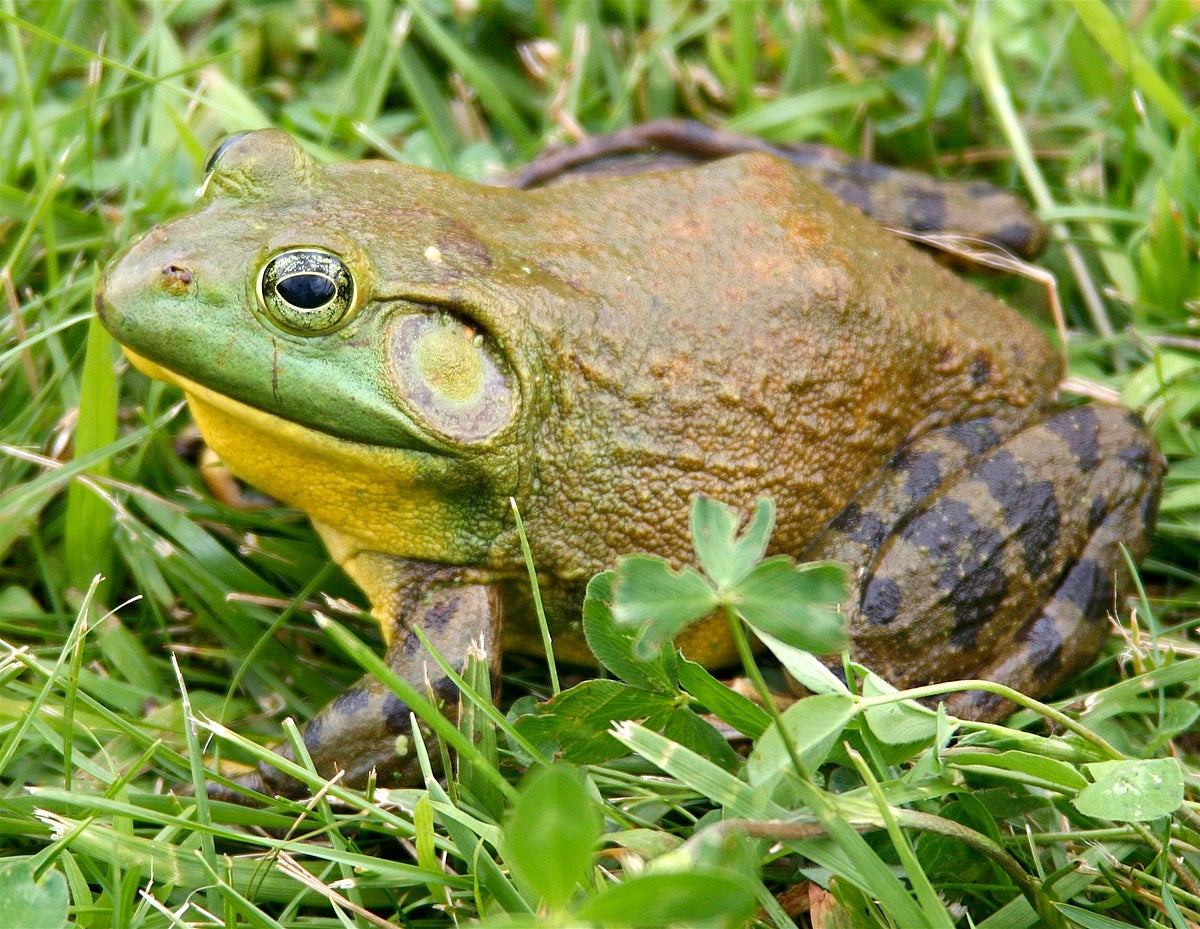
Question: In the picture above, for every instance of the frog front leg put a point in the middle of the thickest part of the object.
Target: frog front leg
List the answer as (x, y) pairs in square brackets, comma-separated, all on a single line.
[(987, 552), (368, 728)]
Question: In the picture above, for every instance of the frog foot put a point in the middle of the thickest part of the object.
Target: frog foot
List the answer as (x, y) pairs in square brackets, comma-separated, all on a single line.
[(366, 731)]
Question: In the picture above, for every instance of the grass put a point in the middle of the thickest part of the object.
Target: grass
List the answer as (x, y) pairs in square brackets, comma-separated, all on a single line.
[(203, 610)]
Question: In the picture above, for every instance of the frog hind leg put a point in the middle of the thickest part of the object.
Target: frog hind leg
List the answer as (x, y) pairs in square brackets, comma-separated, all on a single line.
[(982, 552), (368, 728)]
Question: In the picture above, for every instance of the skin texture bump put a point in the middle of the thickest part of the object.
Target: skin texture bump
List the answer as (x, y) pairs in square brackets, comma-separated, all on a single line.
[(398, 352)]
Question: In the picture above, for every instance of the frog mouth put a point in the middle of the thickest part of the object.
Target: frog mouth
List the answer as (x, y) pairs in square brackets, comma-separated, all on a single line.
[(268, 423), (217, 412)]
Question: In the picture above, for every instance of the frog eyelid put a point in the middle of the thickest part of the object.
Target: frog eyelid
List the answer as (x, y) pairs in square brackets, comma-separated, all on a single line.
[(211, 162), (214, 158)]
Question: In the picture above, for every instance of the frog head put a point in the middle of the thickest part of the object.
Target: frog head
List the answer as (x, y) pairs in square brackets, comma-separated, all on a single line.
[(331, 332)]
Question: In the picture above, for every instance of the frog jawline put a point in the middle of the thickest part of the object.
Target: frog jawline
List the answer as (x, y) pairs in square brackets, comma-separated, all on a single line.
[(268, 422)]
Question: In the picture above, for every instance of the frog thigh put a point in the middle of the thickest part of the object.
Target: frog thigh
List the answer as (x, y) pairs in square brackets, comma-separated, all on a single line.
[(984, 555)]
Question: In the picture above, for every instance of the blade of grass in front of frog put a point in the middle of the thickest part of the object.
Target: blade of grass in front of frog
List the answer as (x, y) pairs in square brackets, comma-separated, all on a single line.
[(928, 900), (428, 713), (484, 706), (469, 836), (480, 728), (543, 624), (208, 848)]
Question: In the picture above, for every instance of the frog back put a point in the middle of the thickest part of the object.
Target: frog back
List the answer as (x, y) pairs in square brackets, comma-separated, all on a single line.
[(734, 330)]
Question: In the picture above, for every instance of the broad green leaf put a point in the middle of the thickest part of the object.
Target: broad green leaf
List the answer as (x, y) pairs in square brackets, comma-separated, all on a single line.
[(648, 843), (614, 645), (725, 558), (552, 832), (1132, 791), (897, 723), (29, 902), (1054, 772), (804, 666), (690, 731), (744, 715), (795, 604), (576, 723), (683, 899), (812, 725), (660, 602)]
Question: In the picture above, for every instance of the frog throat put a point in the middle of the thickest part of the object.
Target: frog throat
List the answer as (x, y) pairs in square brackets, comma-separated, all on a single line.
[(372, 498)]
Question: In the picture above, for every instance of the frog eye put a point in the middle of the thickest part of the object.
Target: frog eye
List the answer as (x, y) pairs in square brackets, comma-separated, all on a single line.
[(220, 150), (452, 374), (307, 291)]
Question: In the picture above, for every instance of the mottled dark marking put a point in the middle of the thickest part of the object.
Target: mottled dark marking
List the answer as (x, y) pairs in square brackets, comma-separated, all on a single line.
[(1089, 587), (978, 704), (881, 600), (1096, 513), (852, 193), (976, 598), (396, 714), (976, 436), (408, 646), (968, 558), (314, 731), (1148, 512), (923, 474), (979, 189), (435, 616), (445, 691), (872, 172), (1045, 644), (940, 530), (1030, 510), (1080, 429), (349, 703), (1134, 421), (1041, 534), (860, 526), (1136, 457), (1018, 236), (981, 370), (926, 210)]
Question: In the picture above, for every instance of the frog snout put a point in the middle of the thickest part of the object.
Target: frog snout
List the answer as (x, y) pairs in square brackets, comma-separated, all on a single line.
[(129, 285)]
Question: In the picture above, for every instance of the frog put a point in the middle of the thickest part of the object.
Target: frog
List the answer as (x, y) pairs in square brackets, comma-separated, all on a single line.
[(407, 357)]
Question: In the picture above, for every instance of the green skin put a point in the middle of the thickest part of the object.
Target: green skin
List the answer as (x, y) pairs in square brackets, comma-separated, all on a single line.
[(604, 350)]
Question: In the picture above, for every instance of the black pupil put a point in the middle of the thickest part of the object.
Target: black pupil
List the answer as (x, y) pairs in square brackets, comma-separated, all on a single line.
[(306, 291)]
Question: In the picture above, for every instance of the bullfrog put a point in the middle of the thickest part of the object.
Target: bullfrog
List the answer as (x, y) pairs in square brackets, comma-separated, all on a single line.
[(399, 353)]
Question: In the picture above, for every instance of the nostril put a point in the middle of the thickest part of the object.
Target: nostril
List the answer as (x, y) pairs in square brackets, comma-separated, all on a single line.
[(177, 279), (177, 274)]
